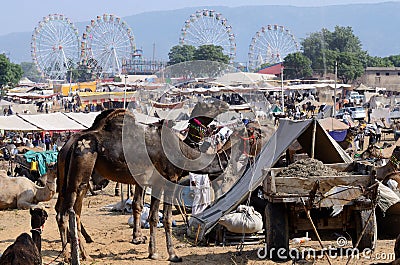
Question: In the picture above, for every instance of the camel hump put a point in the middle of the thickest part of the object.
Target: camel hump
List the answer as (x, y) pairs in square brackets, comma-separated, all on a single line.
[(107, 117)]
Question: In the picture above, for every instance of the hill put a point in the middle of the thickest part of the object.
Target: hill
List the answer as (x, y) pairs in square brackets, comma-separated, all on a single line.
[(375, 25)]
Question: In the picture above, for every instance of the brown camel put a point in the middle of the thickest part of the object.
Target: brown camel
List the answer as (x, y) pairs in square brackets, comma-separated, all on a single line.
[(26, 250), (22, 252), (38, 218), (123, 151), (22, 193)]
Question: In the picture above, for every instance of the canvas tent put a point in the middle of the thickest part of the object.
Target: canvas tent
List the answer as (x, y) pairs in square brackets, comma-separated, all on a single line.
[(85, 119), (15, 123), (332, 124), (53, 122), (326, 150)]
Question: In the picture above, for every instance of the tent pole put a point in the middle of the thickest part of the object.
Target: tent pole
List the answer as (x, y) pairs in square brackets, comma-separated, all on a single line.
[(313, 138)]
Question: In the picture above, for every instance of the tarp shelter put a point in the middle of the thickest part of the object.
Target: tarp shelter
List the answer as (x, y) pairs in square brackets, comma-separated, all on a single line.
[(53, 122), (145, 119), (243, 78), (101, 97), (85, 119), (326, 150), (15, 123), (332, 124)]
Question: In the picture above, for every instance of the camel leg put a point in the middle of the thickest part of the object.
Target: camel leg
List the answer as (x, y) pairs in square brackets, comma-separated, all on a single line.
[(153, 220), (83, 188), (168, 228), (77, 177), (136, 212)]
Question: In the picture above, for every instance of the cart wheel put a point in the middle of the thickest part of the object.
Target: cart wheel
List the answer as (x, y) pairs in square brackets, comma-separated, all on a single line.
[(276, 230), (370, 235)]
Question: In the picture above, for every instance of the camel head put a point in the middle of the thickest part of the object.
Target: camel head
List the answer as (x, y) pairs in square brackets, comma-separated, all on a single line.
[(395, 158), (38, 218)]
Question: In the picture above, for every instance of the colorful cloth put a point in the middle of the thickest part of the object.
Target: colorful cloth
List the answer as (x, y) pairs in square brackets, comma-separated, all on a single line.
[(43, 159)]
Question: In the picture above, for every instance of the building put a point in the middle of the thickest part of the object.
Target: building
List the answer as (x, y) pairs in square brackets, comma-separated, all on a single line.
[(387, 77)]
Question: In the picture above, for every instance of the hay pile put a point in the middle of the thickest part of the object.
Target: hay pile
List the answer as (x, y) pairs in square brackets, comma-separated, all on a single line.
[(307, 167)]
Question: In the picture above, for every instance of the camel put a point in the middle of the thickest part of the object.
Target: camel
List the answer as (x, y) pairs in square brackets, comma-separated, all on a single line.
[(26, 250), (22, 252), (38, 218), (123, 151), (21, 193), (348, 140)]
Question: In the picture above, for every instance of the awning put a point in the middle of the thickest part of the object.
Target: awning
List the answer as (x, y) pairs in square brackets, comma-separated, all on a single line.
[(85, 119), (53, 122), (15, 123)]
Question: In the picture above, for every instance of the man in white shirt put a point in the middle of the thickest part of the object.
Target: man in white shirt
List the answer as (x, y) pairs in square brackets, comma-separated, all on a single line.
[(200, 184)]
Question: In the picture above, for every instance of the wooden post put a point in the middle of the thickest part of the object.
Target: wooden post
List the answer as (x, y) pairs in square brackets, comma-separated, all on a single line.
[(313, 138), (74, 238), (315, 231)]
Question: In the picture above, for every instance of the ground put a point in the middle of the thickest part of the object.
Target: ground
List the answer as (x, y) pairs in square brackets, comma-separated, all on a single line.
[(112, 236)]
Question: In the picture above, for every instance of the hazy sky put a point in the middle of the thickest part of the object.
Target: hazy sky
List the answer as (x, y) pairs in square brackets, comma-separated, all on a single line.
[(24, 15)]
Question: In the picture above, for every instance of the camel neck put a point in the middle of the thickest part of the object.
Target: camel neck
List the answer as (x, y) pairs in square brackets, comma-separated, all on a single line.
[(37, 238)]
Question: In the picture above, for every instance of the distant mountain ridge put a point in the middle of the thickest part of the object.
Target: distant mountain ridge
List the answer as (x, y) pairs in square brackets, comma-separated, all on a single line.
[(377, 26)]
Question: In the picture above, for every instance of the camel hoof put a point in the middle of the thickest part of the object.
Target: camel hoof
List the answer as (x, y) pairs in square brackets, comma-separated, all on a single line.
[(175, 259), (139, 240), (153, 256)]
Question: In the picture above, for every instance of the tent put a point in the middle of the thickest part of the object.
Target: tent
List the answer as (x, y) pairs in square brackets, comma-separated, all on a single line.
[(332, 124), (53, 122), (15, 123), (326, 150), (85, 119)]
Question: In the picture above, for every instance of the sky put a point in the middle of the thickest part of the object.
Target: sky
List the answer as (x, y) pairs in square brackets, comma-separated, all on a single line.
[(24, 15)]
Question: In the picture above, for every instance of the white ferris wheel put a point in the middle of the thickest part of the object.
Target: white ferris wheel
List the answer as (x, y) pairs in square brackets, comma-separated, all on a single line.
[(270, 45), (207, 27), (107, 45), (55, 46)]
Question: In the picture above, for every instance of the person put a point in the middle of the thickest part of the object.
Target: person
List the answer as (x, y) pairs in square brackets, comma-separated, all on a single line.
[(200, 184), (378, 133)]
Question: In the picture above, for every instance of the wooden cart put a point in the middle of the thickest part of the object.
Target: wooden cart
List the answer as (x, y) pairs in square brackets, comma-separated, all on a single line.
[(287, 197)]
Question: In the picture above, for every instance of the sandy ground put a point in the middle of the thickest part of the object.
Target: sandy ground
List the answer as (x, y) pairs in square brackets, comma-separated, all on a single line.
[(112, 236)]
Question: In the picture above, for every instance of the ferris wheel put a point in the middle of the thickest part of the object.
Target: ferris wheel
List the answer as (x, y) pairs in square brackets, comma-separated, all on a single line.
[(207, 27), (271, 45), (107, 45), (55, 46)]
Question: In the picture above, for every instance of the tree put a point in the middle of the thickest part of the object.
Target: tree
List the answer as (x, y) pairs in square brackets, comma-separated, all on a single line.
[(185, 53), (297, 66), (181, 53), (10, 73), (30, 71), (395, 59), (342, 46), (374, 61), (210, 53)]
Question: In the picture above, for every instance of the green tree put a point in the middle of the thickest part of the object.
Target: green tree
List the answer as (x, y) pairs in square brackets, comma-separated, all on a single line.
[(210, 53), (297, 66), (181, 53), (30, 71), (395, 59), (374, 61), (10, 73), (324, 48)]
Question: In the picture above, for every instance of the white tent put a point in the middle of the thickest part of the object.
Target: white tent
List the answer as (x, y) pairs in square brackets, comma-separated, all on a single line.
[(53, 122), (85, 119), (15, 123)]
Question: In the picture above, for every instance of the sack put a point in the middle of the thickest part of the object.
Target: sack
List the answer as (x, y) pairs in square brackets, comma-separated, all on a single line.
[(34, 166), (244, 220)]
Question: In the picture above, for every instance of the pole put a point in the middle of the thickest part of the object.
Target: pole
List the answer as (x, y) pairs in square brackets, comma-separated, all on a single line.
[(334, 99), (282, 96), (126, 77), (313, 138)]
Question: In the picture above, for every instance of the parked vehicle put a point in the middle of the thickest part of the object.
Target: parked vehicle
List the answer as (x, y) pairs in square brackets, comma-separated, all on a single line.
[(357, 113)]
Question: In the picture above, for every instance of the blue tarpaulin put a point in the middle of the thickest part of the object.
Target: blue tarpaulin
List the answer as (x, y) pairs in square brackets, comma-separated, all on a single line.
[(43, 159), (338, 135)]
